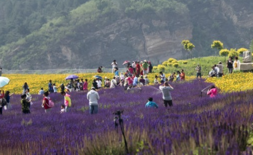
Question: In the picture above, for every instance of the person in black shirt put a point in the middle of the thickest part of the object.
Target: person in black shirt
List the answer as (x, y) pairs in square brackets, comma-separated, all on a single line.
[(230, 65)]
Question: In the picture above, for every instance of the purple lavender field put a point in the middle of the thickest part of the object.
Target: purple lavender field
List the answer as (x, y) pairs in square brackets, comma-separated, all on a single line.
[(194, 125)]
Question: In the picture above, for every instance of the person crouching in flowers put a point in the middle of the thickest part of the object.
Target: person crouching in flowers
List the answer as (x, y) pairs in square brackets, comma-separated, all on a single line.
[(62, 108), (212, 92), (67, 101), (151, 104)]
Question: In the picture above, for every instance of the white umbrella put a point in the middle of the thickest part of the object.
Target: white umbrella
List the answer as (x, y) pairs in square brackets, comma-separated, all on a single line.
[(4, 81)]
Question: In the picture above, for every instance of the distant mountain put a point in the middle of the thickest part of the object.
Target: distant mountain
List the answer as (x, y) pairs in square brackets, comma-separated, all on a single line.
[(50, 34)]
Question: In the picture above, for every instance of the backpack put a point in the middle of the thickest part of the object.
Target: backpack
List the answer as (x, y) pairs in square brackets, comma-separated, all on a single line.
[(50, 103), (235, 64)]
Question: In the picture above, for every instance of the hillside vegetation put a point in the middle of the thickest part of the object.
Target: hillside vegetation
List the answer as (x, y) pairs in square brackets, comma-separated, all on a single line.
[(46, 34)]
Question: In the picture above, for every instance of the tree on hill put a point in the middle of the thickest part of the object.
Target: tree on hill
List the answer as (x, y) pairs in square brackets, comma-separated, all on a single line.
[(224, 52), (241, 50), (217, 44), (188, 46), (233, 53)]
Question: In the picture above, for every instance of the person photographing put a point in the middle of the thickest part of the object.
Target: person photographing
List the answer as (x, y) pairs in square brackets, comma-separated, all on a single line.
[(212, 91), (167, 99)]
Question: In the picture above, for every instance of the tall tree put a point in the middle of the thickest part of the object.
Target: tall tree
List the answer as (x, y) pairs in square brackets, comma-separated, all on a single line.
[(188, 46), (218, 45)]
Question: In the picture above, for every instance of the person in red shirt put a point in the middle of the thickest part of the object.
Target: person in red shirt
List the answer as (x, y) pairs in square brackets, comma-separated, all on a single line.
[(182, 75), (131, 70), (1, 94), (45, 102), (137, 69)]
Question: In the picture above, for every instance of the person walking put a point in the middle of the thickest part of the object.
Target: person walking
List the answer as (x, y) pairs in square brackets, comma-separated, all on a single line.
[(198, 69), (113, 83), (25, 104), (167, 99), (150, 67), (114, 64), (95, 84), (7, 97), (25, 87), (145, 67), (85, 85), (230, 65), (137, 69), (67, 101), (62, 87), (50, 87), (93, 98), (45, 102)]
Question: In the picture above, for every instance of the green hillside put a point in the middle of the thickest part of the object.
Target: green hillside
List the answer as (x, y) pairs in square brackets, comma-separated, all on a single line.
[(37, 34)]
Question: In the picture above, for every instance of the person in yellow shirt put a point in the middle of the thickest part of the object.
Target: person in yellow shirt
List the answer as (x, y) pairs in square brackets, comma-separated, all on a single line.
[(67, 101)]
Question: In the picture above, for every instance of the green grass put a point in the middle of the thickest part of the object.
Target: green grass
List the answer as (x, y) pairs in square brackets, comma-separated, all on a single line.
[(205, 62)]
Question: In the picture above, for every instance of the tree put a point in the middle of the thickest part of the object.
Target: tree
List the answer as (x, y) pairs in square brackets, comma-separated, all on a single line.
[(188, 46), (217, 44), (233, 53), (241, 50)]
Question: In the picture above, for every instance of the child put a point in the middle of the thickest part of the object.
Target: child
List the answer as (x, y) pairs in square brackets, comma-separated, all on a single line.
[(54, 88), (67, 101), (62, 108), (151, 104), (156, 80), (25, 104), (45, 102)]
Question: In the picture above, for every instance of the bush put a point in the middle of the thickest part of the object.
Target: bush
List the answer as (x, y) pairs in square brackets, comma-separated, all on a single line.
[(169, 64), (241, 50), (174, 61), (233, 53), (161, 67), (171, 59), (175, 64), (185, 62), (165, 63), (224, 52), (154, 67)]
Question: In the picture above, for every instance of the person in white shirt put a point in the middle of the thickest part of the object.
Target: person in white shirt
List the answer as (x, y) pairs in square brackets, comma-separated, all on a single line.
[(99, 83), (134, 65), (236, 64), (93, 98), (41, 92), (113, 83), (114, 64)]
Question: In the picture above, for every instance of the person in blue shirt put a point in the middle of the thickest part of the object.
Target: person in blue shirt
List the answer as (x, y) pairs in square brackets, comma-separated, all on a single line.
[(116, 72), (151, 104), (50, 87)]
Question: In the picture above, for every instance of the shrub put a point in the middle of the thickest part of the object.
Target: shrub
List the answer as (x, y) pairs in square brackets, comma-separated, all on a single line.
[(174, 61), (165, 63), (241, 50), (175, 64), (171, 59), (161, 67), (169, 64), (233, 53), (185, 62), (224, 52), (154, 67)]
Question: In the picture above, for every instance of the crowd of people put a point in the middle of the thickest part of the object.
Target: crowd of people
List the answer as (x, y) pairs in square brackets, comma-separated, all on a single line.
[(136, 75), (217, 69)]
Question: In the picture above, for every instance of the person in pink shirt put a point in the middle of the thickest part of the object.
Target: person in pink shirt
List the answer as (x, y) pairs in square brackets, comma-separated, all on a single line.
[(131, 70), (130, 81), (212, 92), (85, 85)]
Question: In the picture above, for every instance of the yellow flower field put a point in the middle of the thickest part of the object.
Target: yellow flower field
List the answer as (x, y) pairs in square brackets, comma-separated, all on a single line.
[(234, 82), (37, 81)]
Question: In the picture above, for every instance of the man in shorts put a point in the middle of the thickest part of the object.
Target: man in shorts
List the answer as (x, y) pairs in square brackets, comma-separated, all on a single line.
[(167, 99), (198, 69)]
